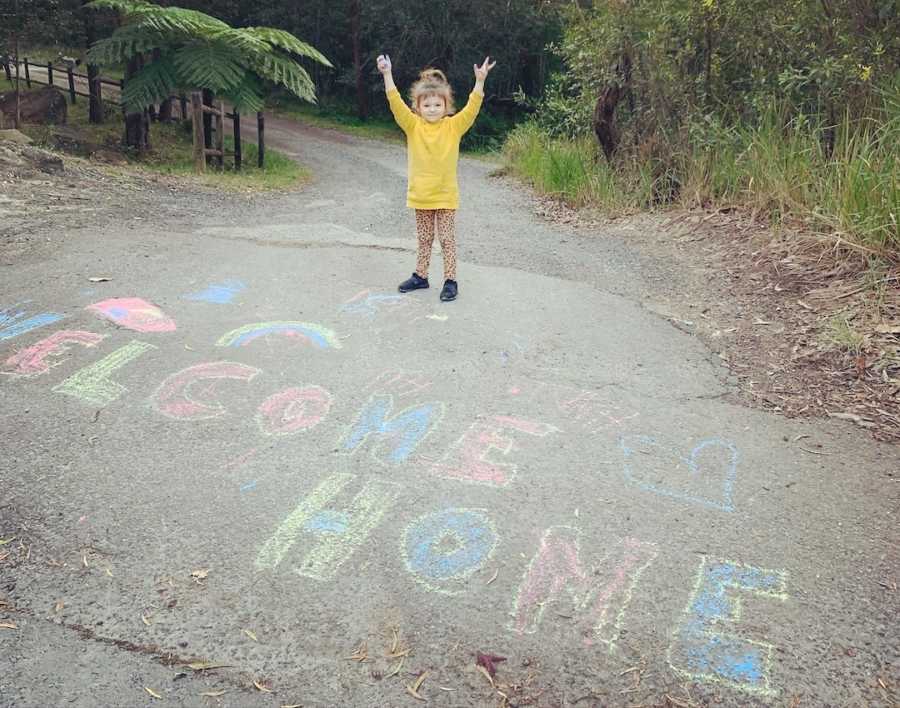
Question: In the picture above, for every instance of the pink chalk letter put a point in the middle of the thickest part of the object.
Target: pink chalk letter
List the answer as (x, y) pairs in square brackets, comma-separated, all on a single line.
[(293, 410), (30, 362), (596, 594), (467, 460), (173, 398), (134, 313)]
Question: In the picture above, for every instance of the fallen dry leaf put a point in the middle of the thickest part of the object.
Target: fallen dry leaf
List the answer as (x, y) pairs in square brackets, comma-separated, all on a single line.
[(8, 625), (293, 705), (262, 687), (145, 620), (199, 575), (251, 635), (361, 654), (486, 675), (414, 689), (214, 694), (488, 661), (396, 669), (152, 693), (4, 541)]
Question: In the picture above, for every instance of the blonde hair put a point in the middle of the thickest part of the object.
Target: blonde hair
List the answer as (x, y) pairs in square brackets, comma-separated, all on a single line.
[(432, 81)]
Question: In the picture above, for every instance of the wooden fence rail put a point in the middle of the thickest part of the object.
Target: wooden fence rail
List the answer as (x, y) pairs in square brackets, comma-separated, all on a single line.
[(187, 112)]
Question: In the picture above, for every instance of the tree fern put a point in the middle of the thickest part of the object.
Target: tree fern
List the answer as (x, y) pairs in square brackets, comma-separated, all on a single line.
[(201, 52), (153, 84), (211, 66)]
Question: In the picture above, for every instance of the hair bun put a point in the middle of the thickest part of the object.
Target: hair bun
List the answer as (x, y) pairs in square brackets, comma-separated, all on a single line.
[(433, 74)]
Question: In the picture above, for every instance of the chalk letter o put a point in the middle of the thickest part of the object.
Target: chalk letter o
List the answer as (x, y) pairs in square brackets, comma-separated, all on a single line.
[(444, 548)]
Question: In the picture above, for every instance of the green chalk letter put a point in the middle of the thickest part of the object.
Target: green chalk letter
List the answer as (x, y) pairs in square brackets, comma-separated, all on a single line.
[(92, 385), (334, 534)]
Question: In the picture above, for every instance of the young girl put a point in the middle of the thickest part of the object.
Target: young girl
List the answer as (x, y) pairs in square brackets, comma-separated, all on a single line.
[(433, 133)]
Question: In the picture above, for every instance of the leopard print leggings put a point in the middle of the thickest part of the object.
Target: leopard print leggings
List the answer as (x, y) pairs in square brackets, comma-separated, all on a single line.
[(427, 222)]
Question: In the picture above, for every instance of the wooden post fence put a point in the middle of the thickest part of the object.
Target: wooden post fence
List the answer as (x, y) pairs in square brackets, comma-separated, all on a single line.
[(50, 73), (27, 74), (238, 150), (261, 139), (199, 138), (71, 83)]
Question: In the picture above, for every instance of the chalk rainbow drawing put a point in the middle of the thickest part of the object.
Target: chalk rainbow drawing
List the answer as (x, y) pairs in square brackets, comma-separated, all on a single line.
[(218, 293), (444, 548), (597, 594), (92, 385), (293, 410), (134, 313), (703, 650), (467, 459), (317, 335), (724, 478), (32, 361), (173, 398), (12, 324), (336, 533), (397, 437)]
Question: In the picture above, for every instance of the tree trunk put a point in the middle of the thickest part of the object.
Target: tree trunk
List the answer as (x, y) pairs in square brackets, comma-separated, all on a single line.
[(208, 99), (165, 111), (137, 127), (95, 101), (362, 103), (604, 121)]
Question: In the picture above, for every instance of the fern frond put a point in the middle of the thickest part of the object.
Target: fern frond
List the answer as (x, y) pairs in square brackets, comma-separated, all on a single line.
[(124, 44), (210, 66), (126, 7), (152, 84), (246, 97), (242, 41), (289, 74), (285, 40)]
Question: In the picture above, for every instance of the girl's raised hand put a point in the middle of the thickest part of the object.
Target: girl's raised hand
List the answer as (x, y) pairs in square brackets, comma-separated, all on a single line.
[(481, 72), (384, 63)]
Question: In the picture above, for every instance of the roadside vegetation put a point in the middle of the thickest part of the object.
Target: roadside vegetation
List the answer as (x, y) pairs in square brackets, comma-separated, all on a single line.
[(169, 151)]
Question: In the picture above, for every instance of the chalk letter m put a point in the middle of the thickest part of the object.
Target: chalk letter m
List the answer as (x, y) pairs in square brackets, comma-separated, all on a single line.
[(399, 436), (597, 597)]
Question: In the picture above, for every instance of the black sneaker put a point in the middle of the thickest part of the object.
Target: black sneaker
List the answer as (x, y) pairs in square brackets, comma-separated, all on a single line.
[(414, 282), (448, 292)]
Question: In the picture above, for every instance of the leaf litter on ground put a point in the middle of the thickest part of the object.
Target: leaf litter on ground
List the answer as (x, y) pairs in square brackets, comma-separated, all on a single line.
[(414, 689)]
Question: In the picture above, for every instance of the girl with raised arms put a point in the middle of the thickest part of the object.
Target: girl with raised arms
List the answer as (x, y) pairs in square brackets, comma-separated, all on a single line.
[(433, 132)]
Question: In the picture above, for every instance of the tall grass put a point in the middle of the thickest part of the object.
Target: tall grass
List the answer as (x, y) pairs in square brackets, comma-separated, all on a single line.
[(779, 166)]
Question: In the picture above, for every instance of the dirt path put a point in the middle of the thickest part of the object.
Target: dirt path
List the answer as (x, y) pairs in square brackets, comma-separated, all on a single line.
[(273, 462)]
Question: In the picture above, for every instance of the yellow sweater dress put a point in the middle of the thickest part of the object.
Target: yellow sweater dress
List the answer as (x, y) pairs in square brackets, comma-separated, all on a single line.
[(433, 152)]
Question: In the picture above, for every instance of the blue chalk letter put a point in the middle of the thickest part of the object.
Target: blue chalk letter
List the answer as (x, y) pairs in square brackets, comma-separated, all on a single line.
[(444, 548), (399, 436), (702, 651)]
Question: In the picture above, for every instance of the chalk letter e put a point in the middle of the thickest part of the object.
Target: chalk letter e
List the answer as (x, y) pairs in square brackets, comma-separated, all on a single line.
[(701, 651)]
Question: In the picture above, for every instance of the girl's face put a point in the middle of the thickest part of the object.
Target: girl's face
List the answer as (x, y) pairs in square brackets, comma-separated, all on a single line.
[(432, 107)]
